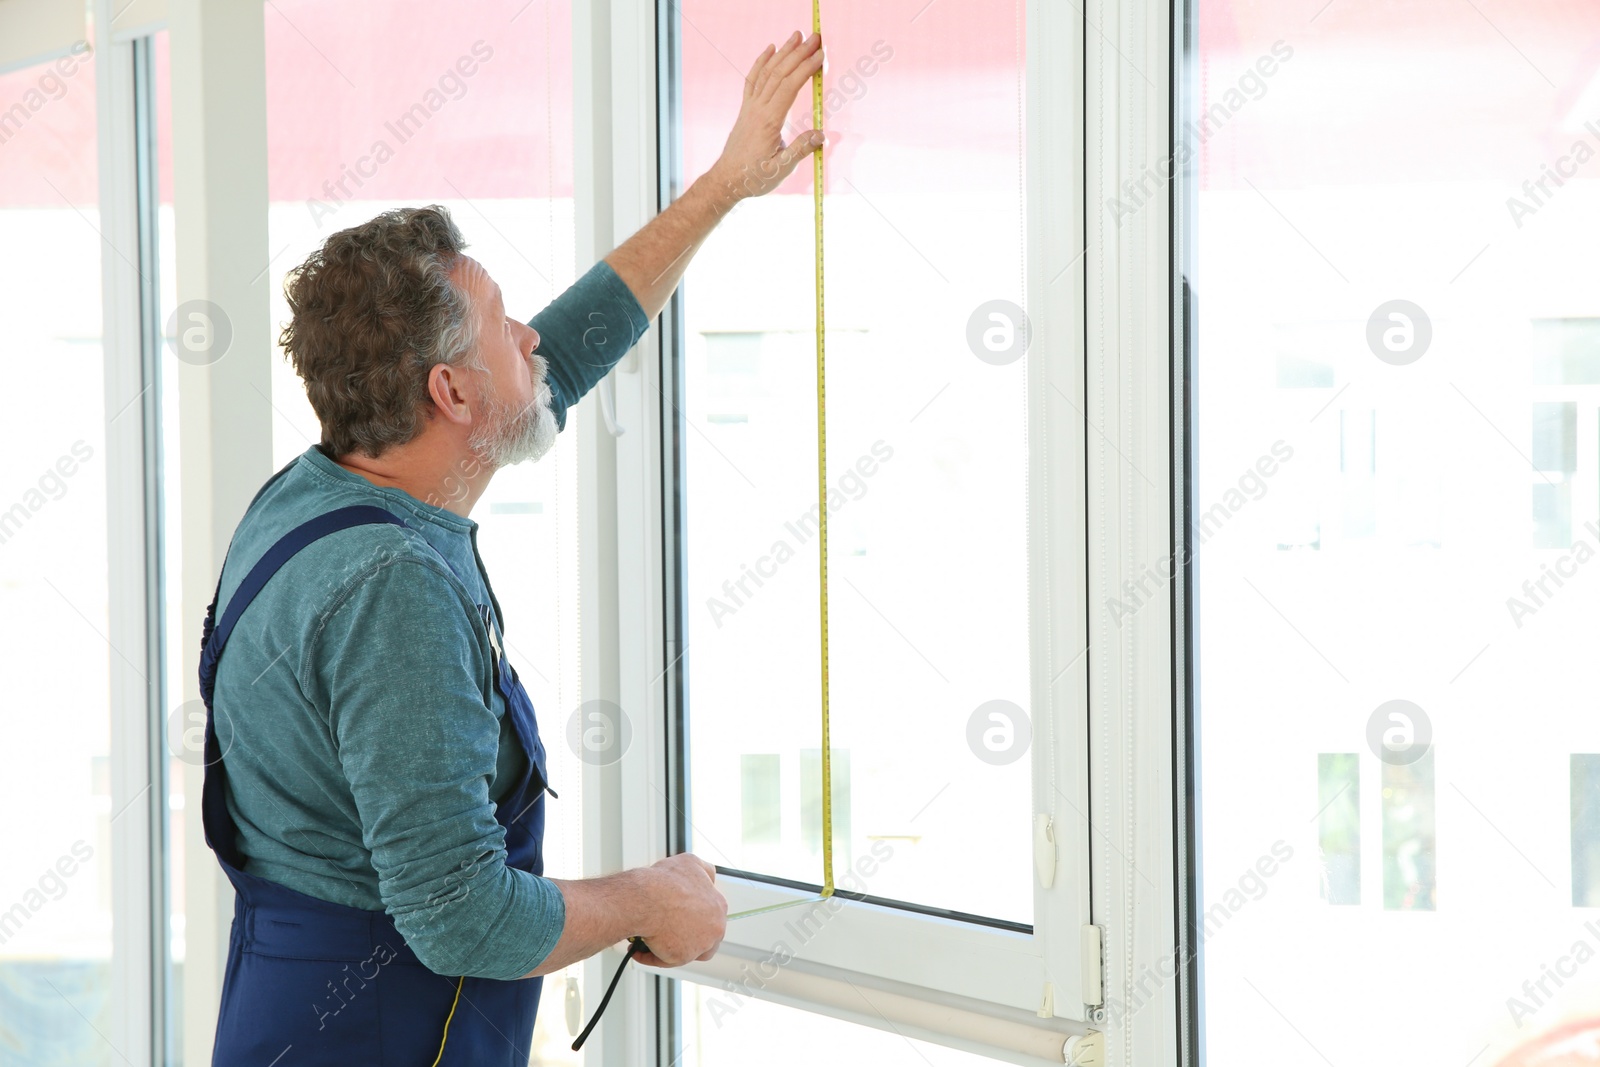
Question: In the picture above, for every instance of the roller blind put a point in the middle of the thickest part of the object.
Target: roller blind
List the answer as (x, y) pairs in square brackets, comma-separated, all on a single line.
[(34, 31)]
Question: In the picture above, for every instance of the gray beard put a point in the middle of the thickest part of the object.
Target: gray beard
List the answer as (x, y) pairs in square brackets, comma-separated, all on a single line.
[(510, 435)]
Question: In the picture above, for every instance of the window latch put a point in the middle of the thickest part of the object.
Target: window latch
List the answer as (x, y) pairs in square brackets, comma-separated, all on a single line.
[(1044, 850)]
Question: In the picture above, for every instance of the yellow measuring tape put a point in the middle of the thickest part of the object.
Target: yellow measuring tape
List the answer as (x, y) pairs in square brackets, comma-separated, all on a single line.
[(822, 497), (822, 477)]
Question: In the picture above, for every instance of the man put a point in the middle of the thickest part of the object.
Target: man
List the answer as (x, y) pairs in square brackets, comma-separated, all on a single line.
[(375, 779)]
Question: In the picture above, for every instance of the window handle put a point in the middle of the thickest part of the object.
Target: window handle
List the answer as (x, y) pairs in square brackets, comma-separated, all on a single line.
[(608, 405)]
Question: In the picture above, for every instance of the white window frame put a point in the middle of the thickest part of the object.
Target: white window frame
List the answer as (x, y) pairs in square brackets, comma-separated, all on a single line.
[(1103, 330), (1139, 775), (137, 801), (987, 968), (139, 695)]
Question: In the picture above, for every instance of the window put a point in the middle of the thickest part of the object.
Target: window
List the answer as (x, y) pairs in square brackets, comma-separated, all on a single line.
[(56, 960), (1394, 725), (954, 598)]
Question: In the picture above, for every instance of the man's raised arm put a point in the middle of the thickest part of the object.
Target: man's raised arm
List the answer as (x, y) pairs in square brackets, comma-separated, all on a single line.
[(588, 328)]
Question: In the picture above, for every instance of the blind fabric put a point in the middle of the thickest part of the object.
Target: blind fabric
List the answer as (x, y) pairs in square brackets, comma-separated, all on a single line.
[(35, 31)]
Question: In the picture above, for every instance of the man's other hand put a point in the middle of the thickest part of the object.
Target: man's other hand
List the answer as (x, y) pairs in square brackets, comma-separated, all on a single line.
[(690, 915)]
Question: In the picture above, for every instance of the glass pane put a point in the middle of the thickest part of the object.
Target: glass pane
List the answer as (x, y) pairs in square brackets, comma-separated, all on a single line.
[(477, 117), (1339, 826), (927, 456), (55, 764), (725, 1028), (1585, 830), (375, 104), (1396, 378)]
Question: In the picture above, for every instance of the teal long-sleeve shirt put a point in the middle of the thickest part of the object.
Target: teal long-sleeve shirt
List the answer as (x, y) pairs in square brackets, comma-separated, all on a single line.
[(369, 742)]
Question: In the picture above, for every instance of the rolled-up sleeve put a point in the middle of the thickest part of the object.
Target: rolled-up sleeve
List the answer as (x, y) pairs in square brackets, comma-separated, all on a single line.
[(585, 331), (407, 676)]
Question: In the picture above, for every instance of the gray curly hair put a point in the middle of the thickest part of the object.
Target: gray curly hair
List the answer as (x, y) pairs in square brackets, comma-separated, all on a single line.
[(373, 310)]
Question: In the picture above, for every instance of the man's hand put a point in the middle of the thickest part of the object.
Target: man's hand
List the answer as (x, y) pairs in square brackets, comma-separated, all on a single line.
[(690, 915), (672, 905), (755, 160)]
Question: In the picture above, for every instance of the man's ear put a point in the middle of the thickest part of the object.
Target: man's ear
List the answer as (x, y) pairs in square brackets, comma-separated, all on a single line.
[(452, 390)]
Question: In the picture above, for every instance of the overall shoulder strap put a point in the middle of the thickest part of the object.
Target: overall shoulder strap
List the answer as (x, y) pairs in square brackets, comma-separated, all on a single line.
[(216, 635)]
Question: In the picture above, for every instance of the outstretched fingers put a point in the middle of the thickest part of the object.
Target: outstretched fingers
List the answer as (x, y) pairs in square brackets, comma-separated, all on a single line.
[(805, 67), (795, 55), (773, 65)]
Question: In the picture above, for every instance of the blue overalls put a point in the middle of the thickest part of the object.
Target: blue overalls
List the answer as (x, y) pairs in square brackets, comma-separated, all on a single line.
[(313, 982)]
